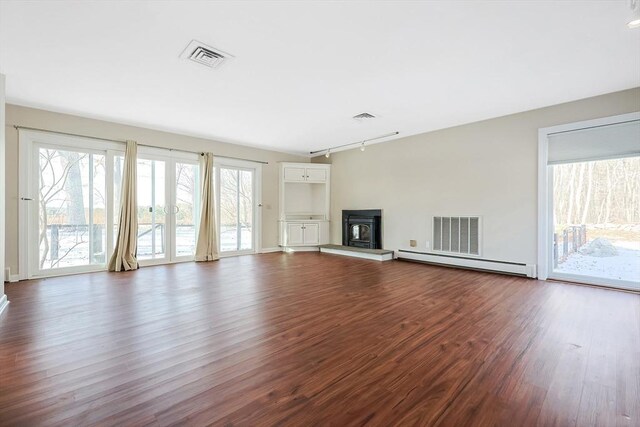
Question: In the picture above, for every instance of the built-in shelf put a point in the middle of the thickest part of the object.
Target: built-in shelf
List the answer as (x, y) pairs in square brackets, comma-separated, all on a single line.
[(304, 204)]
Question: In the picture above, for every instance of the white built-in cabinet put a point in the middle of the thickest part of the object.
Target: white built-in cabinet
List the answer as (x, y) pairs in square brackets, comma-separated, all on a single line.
[(304, 205), (305, 174)]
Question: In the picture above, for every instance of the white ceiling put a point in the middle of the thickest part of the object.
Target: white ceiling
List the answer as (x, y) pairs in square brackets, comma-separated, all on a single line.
[(303, 69)]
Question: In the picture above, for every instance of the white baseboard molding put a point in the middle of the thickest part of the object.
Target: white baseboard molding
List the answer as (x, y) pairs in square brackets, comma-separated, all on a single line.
[(364, 255), (270, 250), (8, 277), (4, 302), (520, 269)]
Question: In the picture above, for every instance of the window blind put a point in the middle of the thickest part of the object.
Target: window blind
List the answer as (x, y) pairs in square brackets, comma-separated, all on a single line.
[(597, 143)]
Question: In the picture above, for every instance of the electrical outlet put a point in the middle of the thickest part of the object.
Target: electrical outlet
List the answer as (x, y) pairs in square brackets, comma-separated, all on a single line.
[(428, 244), (413, 243)]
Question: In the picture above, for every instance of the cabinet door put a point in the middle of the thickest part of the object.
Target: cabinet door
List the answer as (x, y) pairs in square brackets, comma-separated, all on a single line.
[(295, 234), (316, 175), (311, 234), (295, 174)]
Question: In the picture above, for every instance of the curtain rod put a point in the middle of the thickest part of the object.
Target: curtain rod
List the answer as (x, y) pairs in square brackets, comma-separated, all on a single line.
[(354, 143), (143, 145)]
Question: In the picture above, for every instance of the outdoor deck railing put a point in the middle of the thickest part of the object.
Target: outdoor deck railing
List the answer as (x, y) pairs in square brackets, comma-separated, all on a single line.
[(65, 237), (573, 237)]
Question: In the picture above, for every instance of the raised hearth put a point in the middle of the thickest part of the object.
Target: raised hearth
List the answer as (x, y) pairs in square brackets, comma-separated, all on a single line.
[(374, 254)]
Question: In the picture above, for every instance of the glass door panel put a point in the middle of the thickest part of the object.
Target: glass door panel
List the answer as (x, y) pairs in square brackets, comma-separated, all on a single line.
[(245, 193), (596, 222), (151, 209), (118, 166), (236, 209), (98, 213), (186, 208), (76, 207), (71, 209), (228, 210)]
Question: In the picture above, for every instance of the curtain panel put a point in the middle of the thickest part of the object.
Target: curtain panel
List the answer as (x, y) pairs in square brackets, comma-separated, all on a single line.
[(207, 242), (124, 254)]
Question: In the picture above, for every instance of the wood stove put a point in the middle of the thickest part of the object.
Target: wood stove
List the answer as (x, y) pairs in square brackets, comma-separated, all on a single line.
[(362, 228)]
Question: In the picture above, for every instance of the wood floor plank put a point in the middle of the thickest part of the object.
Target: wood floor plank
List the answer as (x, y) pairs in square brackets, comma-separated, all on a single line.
[(315, 339)]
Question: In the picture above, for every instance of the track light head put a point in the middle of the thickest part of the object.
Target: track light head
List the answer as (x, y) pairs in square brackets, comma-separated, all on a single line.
[(362, 146), (328, 154)]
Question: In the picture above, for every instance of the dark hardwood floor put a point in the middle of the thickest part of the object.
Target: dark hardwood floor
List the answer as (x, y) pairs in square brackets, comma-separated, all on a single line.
[(311, 339)]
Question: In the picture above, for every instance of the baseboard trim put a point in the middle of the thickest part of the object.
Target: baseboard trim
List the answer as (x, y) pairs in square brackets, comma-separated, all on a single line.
[(8, 277), (519, 269), (270, 250), (4, 303)]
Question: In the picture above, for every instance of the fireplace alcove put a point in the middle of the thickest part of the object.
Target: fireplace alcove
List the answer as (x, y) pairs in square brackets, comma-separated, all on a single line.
[(362, 228)]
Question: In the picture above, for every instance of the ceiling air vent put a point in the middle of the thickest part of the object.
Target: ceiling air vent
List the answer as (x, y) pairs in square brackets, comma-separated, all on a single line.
[(206, 55), (364, 116)]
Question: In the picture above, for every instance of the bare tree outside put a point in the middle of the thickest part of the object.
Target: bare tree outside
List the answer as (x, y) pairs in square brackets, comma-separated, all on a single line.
[(236, 209), (186, 201), (67, 182), (72, 206)]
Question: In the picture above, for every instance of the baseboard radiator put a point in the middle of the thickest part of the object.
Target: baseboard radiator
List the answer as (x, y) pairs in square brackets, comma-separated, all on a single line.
[(514, 268)]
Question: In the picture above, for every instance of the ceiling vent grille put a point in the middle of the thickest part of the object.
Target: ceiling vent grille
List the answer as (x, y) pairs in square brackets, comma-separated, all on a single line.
[(364, 116), (206, 55)]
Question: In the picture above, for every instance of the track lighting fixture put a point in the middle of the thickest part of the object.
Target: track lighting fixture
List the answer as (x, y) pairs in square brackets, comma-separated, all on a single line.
[(327, 151)]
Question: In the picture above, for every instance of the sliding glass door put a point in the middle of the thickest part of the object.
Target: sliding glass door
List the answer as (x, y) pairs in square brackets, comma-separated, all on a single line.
[(168, 208), (70, 198), (71, 202), (153, 238), (596, 221), (236, 189), (593, 202)]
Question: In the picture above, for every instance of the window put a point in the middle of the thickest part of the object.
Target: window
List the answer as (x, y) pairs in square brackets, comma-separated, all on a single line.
[(72, 204), (236, 207), (67, 207), (596, 227), (70, 189), (589, 182)]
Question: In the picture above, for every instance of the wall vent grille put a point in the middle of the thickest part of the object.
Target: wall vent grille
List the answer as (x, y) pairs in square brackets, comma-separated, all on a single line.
[(457, 234), (206, 55)]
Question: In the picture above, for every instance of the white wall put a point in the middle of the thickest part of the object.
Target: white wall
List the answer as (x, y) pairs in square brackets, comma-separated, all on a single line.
[(30, 117), (487, 168)]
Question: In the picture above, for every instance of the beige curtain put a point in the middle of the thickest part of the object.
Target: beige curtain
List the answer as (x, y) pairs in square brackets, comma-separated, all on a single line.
[(124, 254), (207, 244)]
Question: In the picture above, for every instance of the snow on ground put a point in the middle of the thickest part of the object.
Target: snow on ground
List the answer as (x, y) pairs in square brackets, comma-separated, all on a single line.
[(624, 266)]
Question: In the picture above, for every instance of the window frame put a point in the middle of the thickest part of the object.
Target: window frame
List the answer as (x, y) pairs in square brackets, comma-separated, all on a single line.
[(545, 204), (30, 142)]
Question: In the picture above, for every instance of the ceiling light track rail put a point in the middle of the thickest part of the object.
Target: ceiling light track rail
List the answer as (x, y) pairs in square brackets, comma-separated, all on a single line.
[(361, 143), (17, 127)]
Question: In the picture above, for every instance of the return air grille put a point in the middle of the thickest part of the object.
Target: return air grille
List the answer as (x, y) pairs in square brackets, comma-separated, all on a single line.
[(457, 234), (205, 55)]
